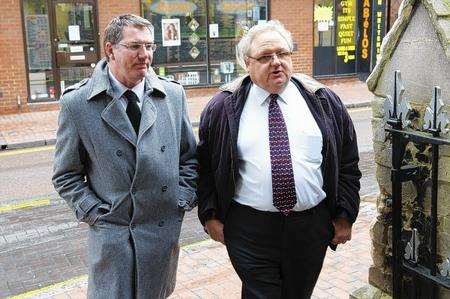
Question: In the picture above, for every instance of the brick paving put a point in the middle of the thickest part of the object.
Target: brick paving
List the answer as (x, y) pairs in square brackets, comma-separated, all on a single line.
[(205, 271)]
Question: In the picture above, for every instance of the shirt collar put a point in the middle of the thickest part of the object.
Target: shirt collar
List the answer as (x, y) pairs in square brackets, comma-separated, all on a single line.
[(119, 88), (261, 95)]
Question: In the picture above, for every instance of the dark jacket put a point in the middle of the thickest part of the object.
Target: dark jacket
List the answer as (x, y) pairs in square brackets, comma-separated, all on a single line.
[(217, 148)]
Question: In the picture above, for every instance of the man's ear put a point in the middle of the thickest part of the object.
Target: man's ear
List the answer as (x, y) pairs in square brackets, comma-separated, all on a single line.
[(246, 60), (109, 51)]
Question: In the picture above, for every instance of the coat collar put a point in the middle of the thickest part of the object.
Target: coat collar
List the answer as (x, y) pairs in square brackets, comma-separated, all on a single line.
[(100, 82), (310, 84), (114, 114)]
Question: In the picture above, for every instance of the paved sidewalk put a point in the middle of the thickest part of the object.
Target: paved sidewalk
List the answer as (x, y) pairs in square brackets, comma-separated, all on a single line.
[(204, 269), (39, 128)]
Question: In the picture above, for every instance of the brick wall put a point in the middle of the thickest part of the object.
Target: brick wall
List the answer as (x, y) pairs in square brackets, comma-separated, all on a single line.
[(108, 9), (297, 16), (12, 67)]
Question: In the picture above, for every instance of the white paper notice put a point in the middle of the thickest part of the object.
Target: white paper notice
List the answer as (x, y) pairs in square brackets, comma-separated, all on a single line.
[(77, 57), (213, 30), (74, 32), (322, 26), (76, 49)]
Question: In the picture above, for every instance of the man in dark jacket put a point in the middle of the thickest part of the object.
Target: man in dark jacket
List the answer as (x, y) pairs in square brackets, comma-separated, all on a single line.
[(279, 177)]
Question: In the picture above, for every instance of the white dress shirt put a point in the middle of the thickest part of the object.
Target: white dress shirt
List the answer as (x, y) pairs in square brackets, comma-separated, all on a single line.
[(119, 89), (254, 184)]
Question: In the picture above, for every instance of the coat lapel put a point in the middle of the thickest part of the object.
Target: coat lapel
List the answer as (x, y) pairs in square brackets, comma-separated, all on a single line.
[(148, 116), (154, 91), (116, 117), (114, 114)]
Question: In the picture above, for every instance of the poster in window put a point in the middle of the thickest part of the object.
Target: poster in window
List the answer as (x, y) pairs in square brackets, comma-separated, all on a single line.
[(213, 30), (38, 42), (170, 32)]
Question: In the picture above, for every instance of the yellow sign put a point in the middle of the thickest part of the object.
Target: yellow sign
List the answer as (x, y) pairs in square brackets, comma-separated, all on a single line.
[(323, 13), (378, 41), (173, 8), (234, 6), (365, 34), (346, 27)]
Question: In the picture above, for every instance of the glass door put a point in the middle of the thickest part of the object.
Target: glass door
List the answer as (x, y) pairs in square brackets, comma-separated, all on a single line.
[(335, 27), (75, 41)]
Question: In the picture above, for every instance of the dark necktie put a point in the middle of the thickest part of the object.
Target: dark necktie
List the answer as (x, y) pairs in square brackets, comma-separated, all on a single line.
[(133, 111), (283, 184)]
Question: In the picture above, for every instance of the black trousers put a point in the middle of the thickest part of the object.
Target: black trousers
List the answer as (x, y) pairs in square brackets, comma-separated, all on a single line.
[(277, 256)]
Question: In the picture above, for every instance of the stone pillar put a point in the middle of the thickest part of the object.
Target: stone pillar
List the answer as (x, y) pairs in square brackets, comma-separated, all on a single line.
[(417, 45)]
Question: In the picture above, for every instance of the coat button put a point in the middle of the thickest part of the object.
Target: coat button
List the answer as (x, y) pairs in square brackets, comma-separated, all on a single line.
[(133, 226), (164, 188), (163, 148), (119, 153), (161, 223), (133, 190)]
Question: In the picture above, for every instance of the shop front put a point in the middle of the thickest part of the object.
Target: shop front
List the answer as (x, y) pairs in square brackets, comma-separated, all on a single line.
[(195, 39), (347, 36)]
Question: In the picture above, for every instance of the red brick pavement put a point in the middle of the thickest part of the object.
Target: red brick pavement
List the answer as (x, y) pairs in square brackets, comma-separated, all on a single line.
[(39, 128), (204, 269)]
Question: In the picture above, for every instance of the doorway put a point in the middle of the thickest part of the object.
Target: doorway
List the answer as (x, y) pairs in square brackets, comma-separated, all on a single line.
[(75, 41), (62, 45), (335, 31)]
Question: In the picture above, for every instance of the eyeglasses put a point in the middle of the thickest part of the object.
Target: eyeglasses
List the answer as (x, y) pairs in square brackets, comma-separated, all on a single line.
[(137, 46), (268, 58)]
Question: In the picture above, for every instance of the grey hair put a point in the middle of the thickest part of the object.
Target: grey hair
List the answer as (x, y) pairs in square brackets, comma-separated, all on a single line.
[(114, 30), (245, 44)]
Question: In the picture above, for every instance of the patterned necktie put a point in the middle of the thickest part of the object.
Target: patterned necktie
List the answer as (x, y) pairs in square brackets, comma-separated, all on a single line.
[(283, 185), (133, 111)]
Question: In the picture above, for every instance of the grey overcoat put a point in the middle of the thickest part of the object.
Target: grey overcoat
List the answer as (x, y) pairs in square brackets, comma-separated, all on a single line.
[(131, 190)]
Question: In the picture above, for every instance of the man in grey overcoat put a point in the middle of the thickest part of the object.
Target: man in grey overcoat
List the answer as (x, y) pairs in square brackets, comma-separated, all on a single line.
[(125, 163)]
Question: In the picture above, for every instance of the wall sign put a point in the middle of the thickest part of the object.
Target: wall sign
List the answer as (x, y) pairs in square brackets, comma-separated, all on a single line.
[(365, 30), (346, 28), (378, 32), (365, 36)]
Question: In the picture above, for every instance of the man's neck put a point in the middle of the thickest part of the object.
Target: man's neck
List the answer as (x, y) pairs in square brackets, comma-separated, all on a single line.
[(126, 83)]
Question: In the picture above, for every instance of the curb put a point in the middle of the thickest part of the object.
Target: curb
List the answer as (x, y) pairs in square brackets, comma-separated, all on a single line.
[(27, 144), (358, 105)]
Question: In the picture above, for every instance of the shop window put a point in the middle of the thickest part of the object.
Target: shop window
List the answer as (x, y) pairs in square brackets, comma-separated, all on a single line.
[(227, 22), (196, 39), (39, 54), (335, 28), (324, 29), (180, 33)]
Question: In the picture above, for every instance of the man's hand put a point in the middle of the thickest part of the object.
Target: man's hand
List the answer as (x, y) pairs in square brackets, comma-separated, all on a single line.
[(214, 229), (342, 231)]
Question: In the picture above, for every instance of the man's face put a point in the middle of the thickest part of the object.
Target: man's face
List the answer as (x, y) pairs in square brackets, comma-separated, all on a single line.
[(129, 65), (268, 71)]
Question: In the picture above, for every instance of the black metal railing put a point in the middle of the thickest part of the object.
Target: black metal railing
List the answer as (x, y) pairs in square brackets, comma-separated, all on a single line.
[(412, 276)]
